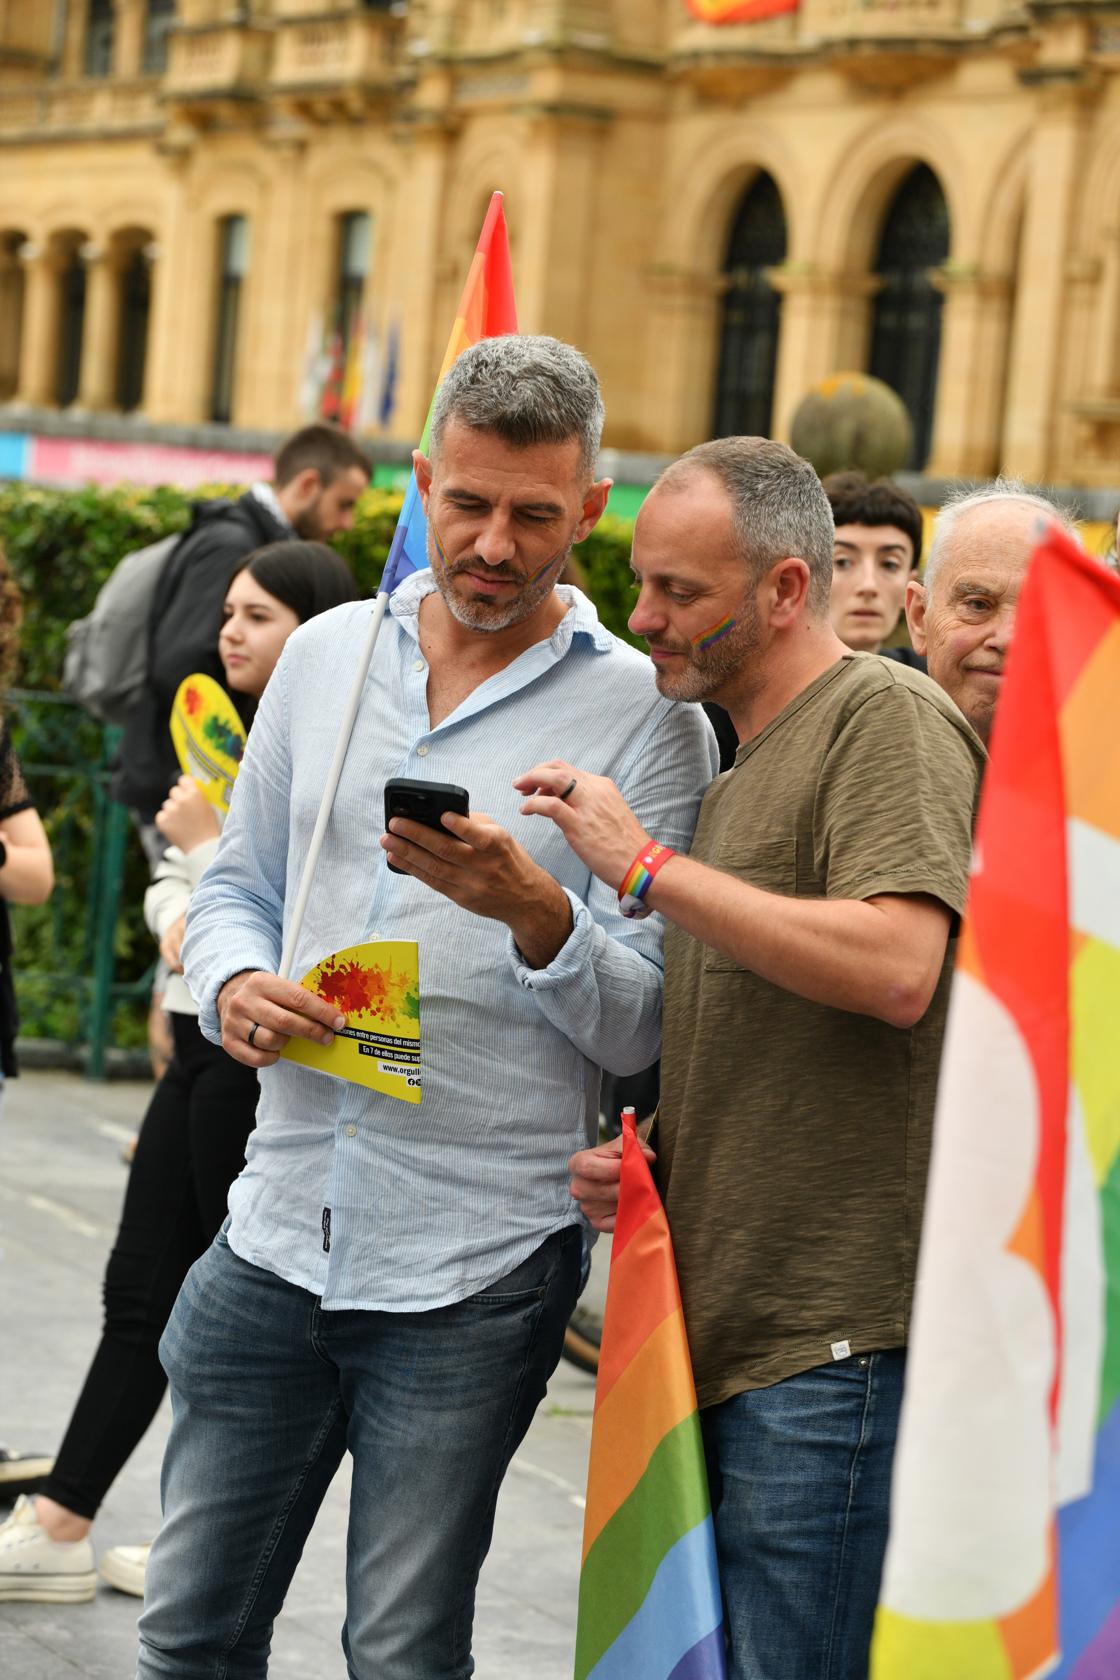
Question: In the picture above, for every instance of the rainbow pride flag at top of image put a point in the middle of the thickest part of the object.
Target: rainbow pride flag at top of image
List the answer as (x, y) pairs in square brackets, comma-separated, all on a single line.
[(1004, 1556), (649, 1597), (486, 310)]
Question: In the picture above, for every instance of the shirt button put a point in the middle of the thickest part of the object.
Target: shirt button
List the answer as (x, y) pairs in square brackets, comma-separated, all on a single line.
[(421, 751), (351, 1131), (418, 665)]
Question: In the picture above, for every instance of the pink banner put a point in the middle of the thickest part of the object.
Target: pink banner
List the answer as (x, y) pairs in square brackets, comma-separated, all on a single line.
[(89, 460)]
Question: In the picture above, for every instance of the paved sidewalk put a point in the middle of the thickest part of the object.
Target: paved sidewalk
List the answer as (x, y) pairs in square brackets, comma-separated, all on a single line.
[(60, 1190)]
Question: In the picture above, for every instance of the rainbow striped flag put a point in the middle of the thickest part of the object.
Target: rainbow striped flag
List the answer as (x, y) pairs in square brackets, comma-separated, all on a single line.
[(486, 310), (649, 1596), (1004, 1556), (739, 11)]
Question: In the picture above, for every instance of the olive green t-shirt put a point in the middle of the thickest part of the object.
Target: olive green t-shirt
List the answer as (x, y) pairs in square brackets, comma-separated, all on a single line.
[(793, 1138)]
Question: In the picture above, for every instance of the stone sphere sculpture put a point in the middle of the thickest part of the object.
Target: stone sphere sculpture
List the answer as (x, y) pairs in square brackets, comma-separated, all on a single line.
[(851, 421)]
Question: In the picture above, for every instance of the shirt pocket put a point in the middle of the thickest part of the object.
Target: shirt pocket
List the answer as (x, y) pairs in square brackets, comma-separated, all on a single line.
[(770, 864)]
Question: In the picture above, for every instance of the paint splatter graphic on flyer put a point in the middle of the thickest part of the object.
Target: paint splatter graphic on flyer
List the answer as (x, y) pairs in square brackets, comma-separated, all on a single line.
[(377, 987)]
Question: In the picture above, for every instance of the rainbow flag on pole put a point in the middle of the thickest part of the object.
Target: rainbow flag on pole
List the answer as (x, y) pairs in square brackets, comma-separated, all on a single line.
[(486, 310), (649, 1596), (1004, 1556)]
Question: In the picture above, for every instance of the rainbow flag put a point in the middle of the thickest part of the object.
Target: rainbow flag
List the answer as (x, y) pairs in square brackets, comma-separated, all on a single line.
[(1004, 1556), (649, 1596), (739, 11), (486, 310), (351, 391)]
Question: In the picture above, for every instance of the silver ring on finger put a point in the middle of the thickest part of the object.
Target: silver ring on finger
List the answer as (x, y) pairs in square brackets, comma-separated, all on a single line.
[(253, 1031)]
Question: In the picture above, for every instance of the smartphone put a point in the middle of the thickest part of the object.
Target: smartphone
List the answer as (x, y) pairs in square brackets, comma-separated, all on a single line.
[(423, 802)]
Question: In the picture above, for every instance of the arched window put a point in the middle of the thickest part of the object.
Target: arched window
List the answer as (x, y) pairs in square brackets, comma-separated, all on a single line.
[(233, 262), (158, 25), (906, 330), (751, 310), (352, 272), (100, 26), (71, 322), (132, 352)]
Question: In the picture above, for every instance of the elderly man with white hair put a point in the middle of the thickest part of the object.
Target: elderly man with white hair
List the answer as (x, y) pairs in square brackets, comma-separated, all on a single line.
[(962, 613)]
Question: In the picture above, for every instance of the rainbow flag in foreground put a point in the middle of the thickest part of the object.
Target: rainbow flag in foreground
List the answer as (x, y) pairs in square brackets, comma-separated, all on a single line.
[(486, 310), (649, 1598), (1004, 1556)]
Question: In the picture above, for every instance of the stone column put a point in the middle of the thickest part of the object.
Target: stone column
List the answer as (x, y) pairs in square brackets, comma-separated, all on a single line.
[(74, 42), (563, 150), (38, 360), (271, 353), (1056, 164), (683, 354), (1104, 378), (97, 384), (972, 375), (128, 37), (179, 360), (415, 259), (823, 331)]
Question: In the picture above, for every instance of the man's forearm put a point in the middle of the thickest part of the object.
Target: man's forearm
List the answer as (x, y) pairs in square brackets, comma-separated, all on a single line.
[(541, 928), (845, 953)]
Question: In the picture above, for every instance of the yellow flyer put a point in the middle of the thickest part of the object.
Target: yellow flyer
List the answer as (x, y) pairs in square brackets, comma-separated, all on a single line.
[(377, 988), (209, 737)]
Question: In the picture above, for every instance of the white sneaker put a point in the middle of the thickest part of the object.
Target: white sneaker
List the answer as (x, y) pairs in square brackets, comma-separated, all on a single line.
[(34, 1569), (124, 1567)]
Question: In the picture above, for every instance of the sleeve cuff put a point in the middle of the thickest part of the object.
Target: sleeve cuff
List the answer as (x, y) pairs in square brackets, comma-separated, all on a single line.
[(208, 1021), (570, 960), (199, 859)]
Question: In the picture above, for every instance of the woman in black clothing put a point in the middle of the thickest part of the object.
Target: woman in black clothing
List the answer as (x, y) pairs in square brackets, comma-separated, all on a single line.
[(191, 1145), (26, 877)]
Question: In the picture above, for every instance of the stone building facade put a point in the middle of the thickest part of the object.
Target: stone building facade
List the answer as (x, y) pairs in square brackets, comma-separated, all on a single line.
[(719, 214)]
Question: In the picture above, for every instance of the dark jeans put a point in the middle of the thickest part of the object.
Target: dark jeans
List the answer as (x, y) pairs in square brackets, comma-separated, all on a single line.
[(800, 1476), (269, 1390), (191, 1148)]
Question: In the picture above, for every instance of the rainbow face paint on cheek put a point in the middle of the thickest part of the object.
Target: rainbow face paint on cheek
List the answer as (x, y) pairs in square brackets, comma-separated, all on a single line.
[(541, 570), (530, 577), (440, 550), (707, 638)]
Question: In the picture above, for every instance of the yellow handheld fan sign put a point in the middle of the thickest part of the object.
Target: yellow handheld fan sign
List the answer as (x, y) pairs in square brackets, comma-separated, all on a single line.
[(377, 988), (209, 737)]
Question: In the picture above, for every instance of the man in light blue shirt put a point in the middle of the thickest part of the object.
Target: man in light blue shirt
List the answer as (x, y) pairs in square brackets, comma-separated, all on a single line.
[(395, 1279)]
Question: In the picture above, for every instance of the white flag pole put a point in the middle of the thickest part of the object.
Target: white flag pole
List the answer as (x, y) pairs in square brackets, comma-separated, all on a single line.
[(334, 774)]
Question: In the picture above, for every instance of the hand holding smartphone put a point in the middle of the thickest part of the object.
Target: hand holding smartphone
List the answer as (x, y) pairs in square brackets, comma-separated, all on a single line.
[(423, 802)]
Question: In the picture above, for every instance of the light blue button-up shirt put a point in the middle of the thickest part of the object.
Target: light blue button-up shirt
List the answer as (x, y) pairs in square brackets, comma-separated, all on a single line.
[(431, 1202)]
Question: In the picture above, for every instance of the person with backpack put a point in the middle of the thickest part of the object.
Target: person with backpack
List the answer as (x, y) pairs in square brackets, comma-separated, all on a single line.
[(157, 618), (191, 1146)]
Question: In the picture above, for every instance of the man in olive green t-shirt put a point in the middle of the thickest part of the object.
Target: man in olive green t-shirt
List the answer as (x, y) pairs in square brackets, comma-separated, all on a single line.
[(807, 966)]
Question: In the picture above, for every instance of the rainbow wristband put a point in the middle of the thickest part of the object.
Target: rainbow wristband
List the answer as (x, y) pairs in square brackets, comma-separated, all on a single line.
[(638, 878)]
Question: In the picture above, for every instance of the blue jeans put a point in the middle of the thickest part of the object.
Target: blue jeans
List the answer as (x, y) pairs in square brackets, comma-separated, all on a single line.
[(269, 1390), (800, 1476)]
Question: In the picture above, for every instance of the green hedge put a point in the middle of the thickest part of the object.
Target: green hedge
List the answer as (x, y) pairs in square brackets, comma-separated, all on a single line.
[(62, 545)]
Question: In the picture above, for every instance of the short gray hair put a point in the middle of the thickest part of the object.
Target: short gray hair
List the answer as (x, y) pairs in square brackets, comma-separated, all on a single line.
[(526, 390), (778, 506), (963, 502)]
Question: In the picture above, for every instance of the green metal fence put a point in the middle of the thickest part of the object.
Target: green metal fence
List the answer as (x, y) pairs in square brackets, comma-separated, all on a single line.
[(83, 962)]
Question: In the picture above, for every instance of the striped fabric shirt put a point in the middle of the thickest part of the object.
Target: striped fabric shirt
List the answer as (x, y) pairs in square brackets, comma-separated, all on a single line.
[(429, 1203)]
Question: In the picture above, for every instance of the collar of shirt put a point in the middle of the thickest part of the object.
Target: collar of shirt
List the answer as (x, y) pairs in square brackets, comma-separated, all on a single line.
[(581, 619), (268, 497)]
